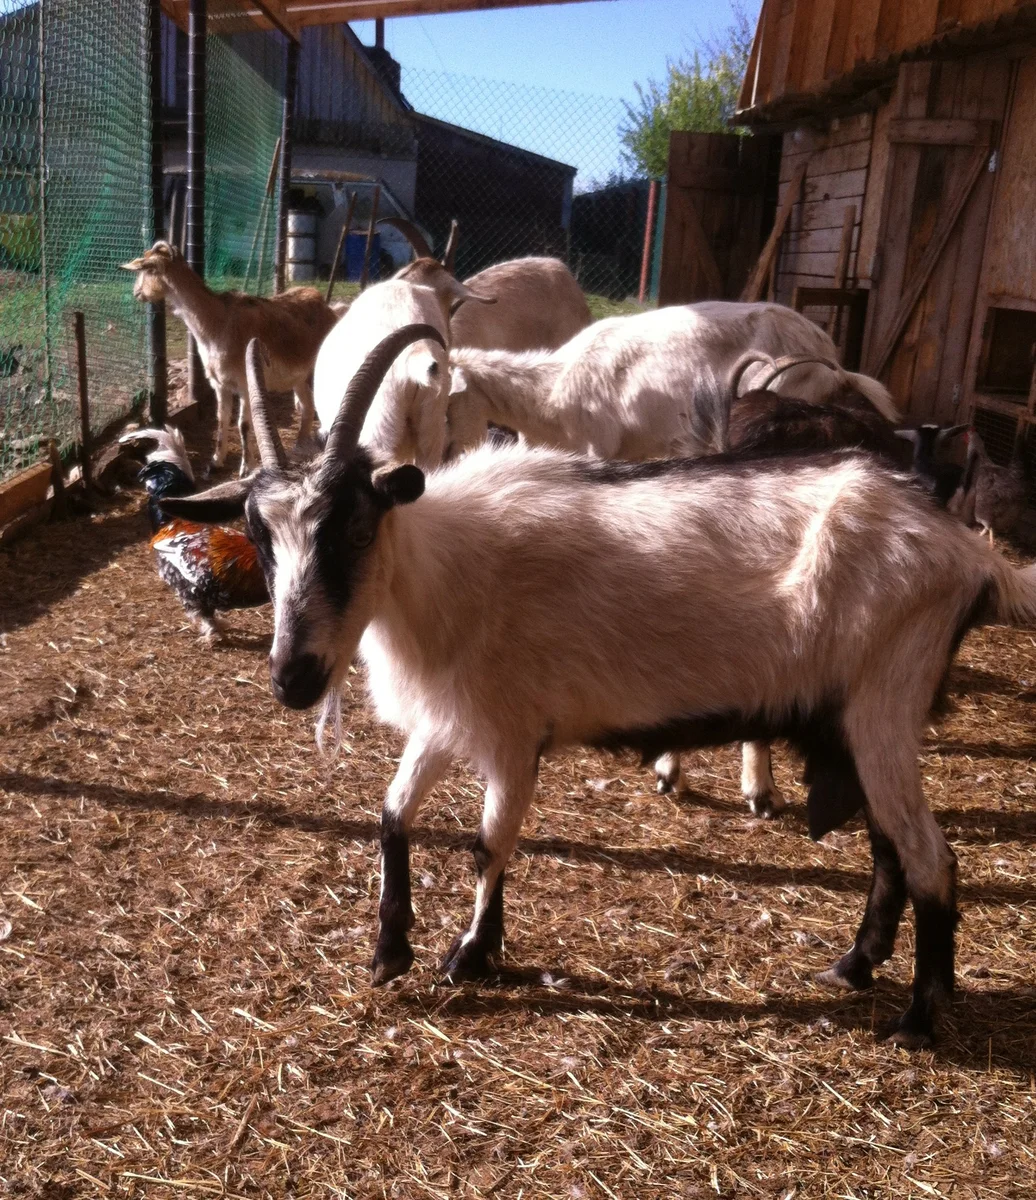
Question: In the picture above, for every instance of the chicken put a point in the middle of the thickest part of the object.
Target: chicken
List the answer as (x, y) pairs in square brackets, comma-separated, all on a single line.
[(989, 496), (211, 568)]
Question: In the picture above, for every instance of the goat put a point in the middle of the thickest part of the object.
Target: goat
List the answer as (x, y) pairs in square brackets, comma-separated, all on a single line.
[(652, 385), (291, 326), (656, 606), (941, 478), (539, 304), (407, 422)]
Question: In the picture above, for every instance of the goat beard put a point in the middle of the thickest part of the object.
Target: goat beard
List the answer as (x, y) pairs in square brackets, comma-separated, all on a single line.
[(329, 724)]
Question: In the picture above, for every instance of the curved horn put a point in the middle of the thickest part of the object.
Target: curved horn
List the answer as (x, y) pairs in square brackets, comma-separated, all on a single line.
[(449, 258), (344, 435), (791, 360), (748, 359), (271, 452), (412, 234)]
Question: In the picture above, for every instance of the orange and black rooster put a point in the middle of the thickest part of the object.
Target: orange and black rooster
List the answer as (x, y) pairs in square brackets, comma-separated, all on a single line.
[(210, 567)]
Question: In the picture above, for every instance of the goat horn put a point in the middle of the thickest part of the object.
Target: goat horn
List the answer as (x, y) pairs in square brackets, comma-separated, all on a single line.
[(791, 360), (344, 435), (748, 359), (412, 234), (449, 258), (271, 452)]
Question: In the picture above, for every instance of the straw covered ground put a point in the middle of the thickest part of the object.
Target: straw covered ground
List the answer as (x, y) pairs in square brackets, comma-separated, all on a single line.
[(188, 897)]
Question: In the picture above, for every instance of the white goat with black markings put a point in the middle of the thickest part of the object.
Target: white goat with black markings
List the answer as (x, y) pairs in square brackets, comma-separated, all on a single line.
[(407, 421), (651, 385), (519, 602)]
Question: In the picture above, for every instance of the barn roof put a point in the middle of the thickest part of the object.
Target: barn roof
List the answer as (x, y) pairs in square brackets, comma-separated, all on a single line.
[(814, 56), (290, 16)]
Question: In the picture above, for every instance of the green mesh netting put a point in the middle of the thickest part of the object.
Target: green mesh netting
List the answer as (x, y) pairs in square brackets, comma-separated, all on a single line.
[(243, 112), (74, 204)]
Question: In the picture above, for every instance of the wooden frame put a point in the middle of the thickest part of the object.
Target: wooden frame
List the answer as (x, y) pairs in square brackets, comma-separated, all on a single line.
[(840, 299)]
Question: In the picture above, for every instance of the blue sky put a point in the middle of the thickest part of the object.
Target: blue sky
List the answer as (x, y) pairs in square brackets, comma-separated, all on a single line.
[(601, 48), (595, 51)]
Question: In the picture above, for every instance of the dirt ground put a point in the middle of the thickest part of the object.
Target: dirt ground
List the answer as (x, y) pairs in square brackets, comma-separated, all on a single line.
[(187, 906)]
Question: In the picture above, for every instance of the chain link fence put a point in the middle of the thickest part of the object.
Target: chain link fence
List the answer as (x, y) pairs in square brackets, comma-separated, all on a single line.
[(74, 204), (527, 170)]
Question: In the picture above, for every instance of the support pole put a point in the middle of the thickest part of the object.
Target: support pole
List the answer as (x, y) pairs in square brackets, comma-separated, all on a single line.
[(84, 400), (365, 273), (649, 225), (342, 238), (291, 72), (156, 312), (197, 385)]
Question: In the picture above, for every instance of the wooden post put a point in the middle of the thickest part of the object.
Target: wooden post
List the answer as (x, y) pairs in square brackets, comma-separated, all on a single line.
[(649, 224), (197, 385), (157, 365), (291, 73), (84, 399), (768, 257), (42, 133), (57, 481), (834, 324), (338, 249), (370, 236)]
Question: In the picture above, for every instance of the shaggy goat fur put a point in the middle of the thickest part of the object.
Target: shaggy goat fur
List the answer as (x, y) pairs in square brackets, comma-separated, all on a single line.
[(657, 607)]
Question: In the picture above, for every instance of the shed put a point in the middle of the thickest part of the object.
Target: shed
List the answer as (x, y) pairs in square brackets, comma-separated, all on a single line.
[(909, 152)]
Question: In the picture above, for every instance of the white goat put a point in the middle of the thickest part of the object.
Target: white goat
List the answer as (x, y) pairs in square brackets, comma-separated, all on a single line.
[(652, 385), (537, 302), (407, 422), (291, 326), (520, 602)]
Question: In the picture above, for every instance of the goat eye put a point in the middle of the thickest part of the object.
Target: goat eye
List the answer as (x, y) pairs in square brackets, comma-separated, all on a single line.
[(361, 538)]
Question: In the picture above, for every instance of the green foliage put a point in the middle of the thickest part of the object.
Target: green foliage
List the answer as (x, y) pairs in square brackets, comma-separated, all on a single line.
[(700, 94)]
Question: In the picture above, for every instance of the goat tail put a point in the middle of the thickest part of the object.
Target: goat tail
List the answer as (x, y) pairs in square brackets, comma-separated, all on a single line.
[(876, 394), (1014, 592)]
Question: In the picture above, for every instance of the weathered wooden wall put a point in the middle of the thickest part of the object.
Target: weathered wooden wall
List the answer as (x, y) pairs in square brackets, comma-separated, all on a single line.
[(809, 47)]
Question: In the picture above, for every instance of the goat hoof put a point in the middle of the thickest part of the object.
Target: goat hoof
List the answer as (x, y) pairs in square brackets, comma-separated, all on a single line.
[(467, 960), (912, 1032), (391, 961), (849, 974), (767, 805)]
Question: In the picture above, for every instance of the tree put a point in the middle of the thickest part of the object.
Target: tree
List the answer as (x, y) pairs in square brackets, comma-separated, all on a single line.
[(699, 94)]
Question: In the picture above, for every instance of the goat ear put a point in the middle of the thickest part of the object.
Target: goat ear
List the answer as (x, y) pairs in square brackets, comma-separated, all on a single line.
[(462, 295), (458, 381), (224, 502), (908, 435), (135, 264), (399, 485), (951, 431)]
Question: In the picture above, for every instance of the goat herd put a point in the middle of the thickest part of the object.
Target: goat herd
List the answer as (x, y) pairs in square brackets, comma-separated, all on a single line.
[(703, 534)]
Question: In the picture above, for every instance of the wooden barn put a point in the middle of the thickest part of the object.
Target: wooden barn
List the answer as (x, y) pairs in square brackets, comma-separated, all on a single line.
[(908, 183)]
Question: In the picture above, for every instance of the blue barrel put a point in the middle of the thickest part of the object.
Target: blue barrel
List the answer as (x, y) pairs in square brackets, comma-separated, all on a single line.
[(355, 245)]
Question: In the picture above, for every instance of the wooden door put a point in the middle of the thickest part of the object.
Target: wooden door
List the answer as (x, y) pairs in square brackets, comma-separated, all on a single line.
[(717, 197), (941, 140)]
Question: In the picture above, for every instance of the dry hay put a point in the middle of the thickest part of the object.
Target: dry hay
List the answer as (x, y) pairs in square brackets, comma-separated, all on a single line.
[(187, 906)]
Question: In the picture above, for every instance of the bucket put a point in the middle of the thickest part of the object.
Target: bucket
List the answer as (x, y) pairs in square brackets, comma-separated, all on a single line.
[(355, 245)]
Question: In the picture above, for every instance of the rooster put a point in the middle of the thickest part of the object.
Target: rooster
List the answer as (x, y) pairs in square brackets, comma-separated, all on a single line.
[(210, 567)]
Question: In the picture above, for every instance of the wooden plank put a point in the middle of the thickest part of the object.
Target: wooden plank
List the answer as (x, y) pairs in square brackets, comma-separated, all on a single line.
[(753, 288), (853, 157), (814, 48), (23, 491), (827, 214), (700, 244), (767, 85), (802, 26), (945, 131), (946, 224), (815, 241), (873, 194), (842, 267), (836, 185)]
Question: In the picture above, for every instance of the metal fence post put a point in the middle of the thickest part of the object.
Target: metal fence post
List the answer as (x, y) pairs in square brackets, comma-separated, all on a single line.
[(196, 29), (291, 71), (156, 312)]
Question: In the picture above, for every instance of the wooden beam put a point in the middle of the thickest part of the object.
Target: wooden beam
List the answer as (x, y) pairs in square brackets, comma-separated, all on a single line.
[(940, 131), (761, 270), (940, 236), (842, 267), (702, 249), (279, 17)]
